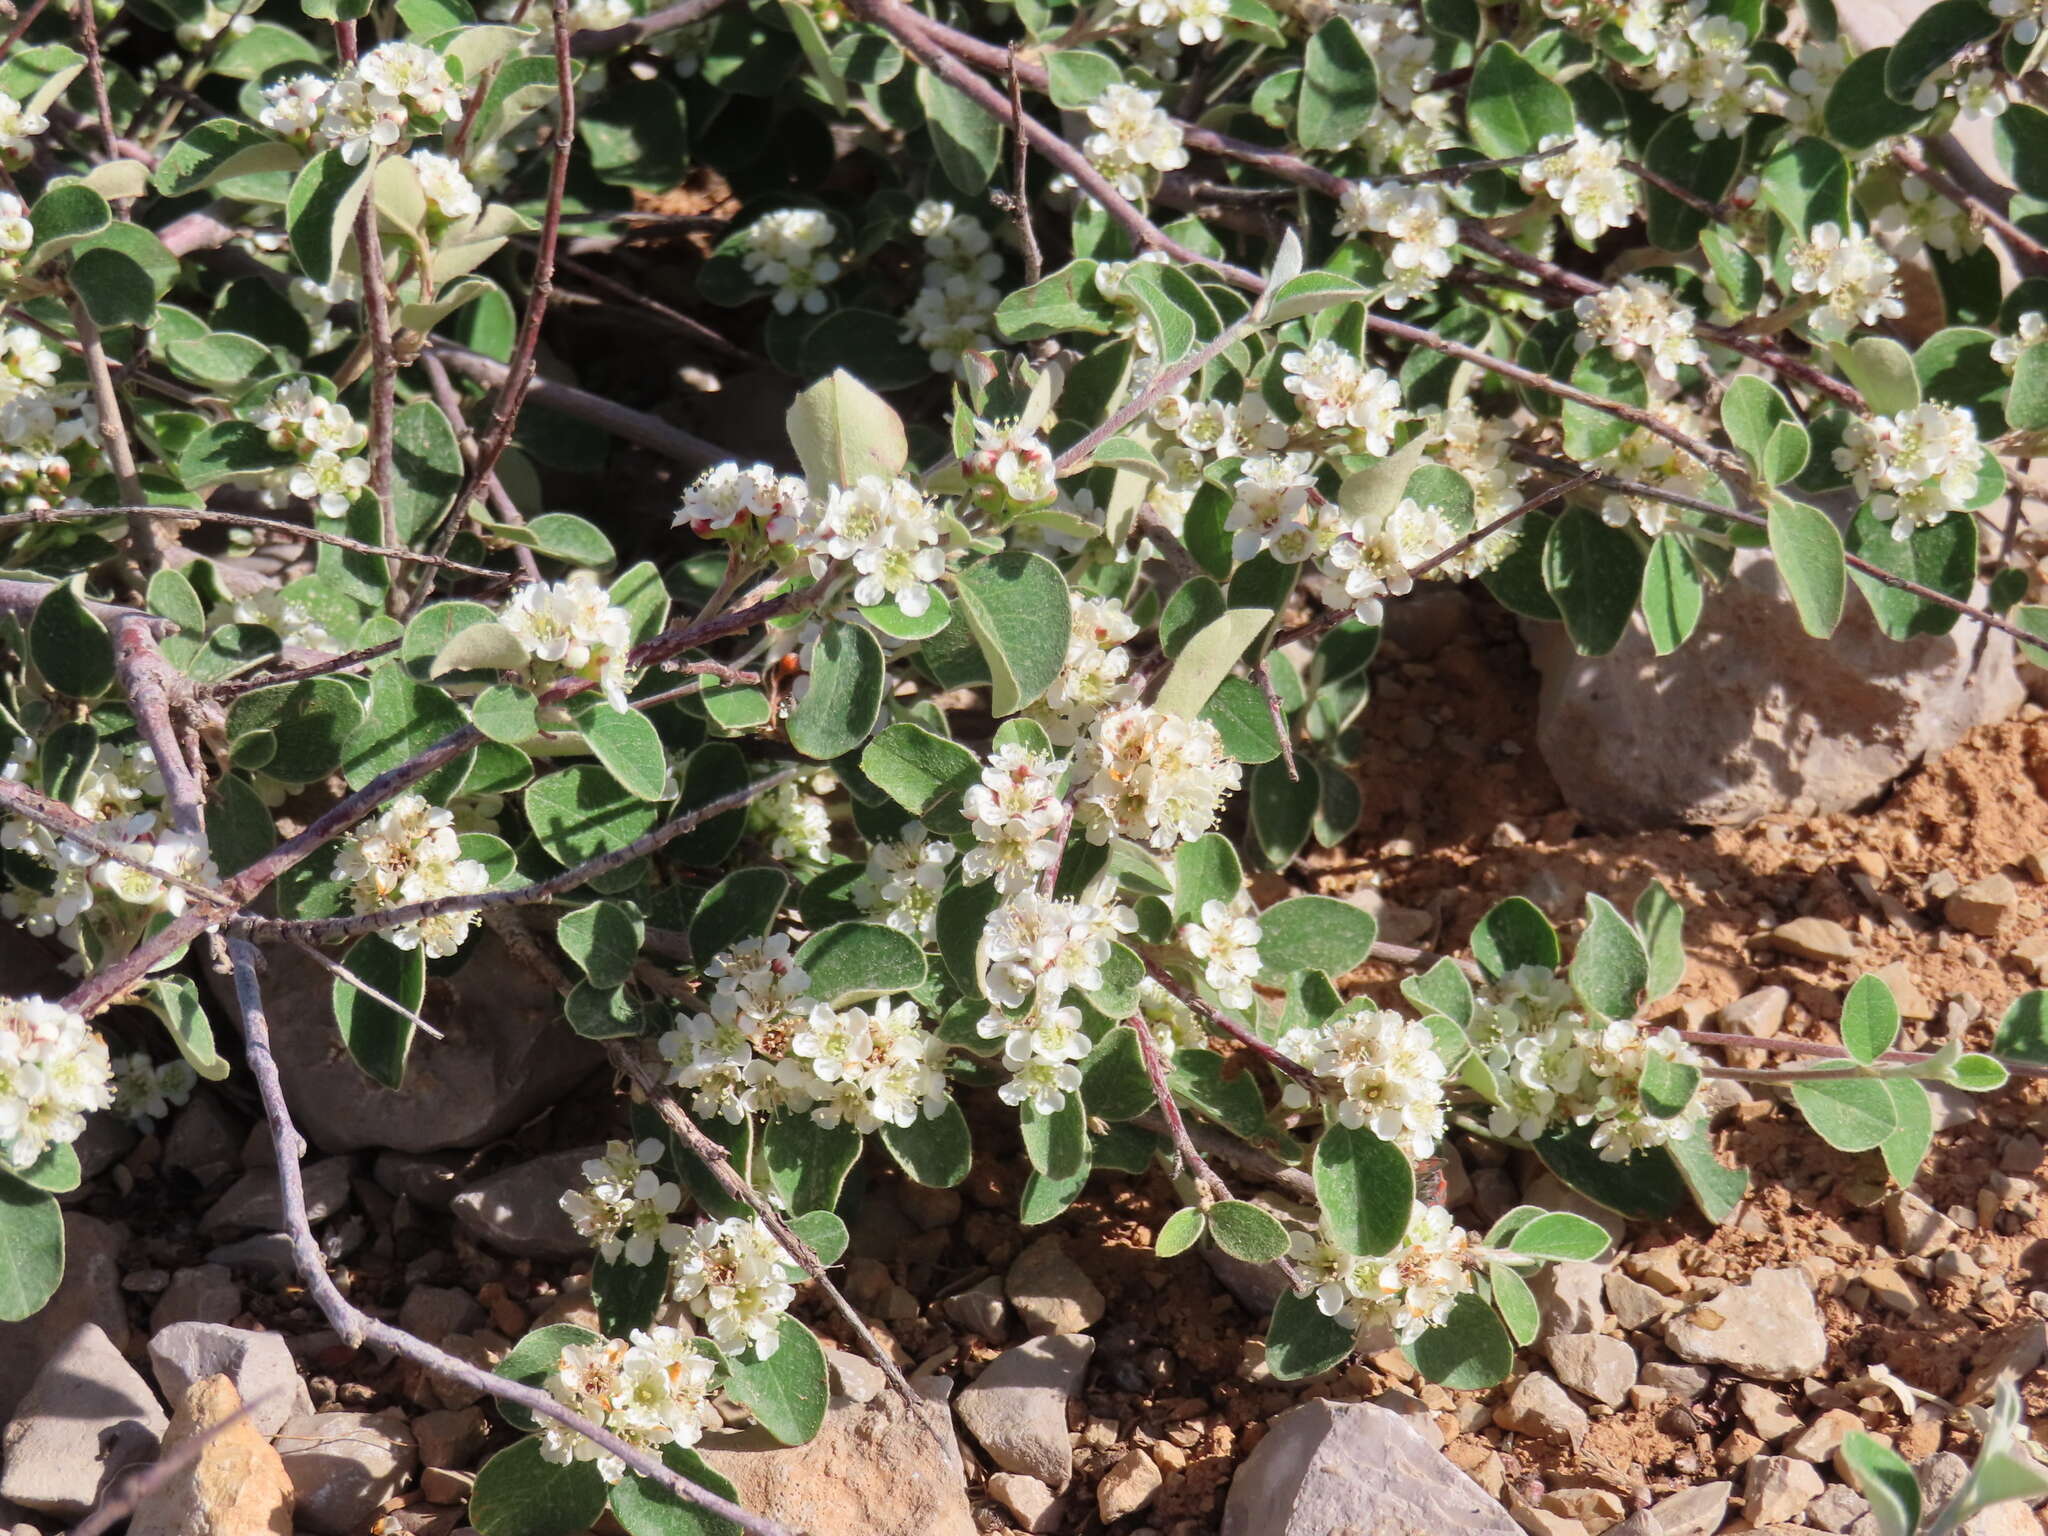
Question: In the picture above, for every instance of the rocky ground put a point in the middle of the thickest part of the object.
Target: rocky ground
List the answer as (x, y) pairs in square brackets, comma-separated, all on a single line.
[(1699, 1381)]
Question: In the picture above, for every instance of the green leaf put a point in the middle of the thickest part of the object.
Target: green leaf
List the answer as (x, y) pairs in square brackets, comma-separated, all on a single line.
[(1207, 658), (1442, 989), (1302, 1342), (2020, 135), (56, 1172), (741, 906), (628, 1296), (787, 1392), (968, 141), (379, 1038), (31, 1249), (63, 216), (2023, 1032), (842, 430), (1751, 410), (845, 697), (1716, 1188), (917, 769), (1595, 574), (1066, 300), (1182, 314), (808, 1163), (1858, 113), (937, 1153), (1740, 275), (1204, 870), (1808, 549), (216, 150), (1644, 1187), (175, 1000), (1870, 1019), (309, 723), (1884, 371), (626, 742), (1661, 922), (228, 448), (1905, 1149), (603, 939), (1114, 1083), (1340, 89), (1561, 1236), (113, 287), (582, 811), (1936, 36), (1707, 168), (1942, 555), (1514, 933), (505, 714), (1366, 1188), (1230, 1099), (1017, 606), (1850, 1114), (402, 719), (1044, 1199), (320, 212), (1180, 1232), (1077, 77), (1610, 967), (1806, 183), (851, 962), (1469, 1351), (69, 645), (1244, 1231), (1283, 810), (1315, 933), (1511, 106), (1056, 1144), (645, 1508), (1674, 593), (1883, 1477), (1667, 1087), (1974, 1072), (518, 1492), (1516, 1302)]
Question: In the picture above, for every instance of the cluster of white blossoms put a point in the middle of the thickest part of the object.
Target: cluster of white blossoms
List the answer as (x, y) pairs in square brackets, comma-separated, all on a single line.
[(955, 309), (1913, 468), (1418, 228), (1978, 92), (1185, 22), (1700, 65), (1275, 506), (1095, 675), (450, 195), (904, 878), (392, 92), (1551, 1066), (145, 1090), (1648, 458), (738, 1281), (890, 534), (787, 251), (1384, 1075), (1922, 217), (1156, 778), (1376, 557), (1135, 141), (1586, 180), (1820, 65), (1856, 275), (410, 852), (794, 823), (1402, 49), (1015, 813), (325, 438), (2026, 17), (19, 129), (1477, 447), (17, 236), (48, 431), (1640, 315), (2033, 327), (53, 1072), (1226, 943), (1406, 1292), (624, 1209), (650, 1391), (1172, 1022), (1037, 948), (1019, 462), (729, 499), (571, 628), (1339, 393)]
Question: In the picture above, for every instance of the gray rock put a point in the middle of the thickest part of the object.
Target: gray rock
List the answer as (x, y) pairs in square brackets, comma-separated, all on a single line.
[(520, 1210), (871, 1470), (854, 1377), (1760, 1013), (89, 1293), (1777, 1489), (252, 1203), (87, 1417), (1570, 1296), (1594, 1365), (344, 1466), (1017, 1407), (1050, 1292), (1753, 714), (1769, 1329), (430, 1182), (1838, 1508), (204, 1140), (1914, 1227), (435, 1311), (259, 1364), (1696, 1511), (1635, 1304), (1540, 1407), (980, 1309), (1036, 1508), (1257, 1287), (205, 1293), (267, 1255), (1327, 1467), (1814, 938), (504, 1054)]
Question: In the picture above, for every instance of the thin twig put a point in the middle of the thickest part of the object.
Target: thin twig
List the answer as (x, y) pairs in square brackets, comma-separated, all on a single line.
[(95, 68), (1209, 1185), (2018, 240), (55, 816), (667, 19), (1263, 674), (1793, 1046), (153, 686), (650, 432), (1020, 186), (341, 972), (150, 540), (383, 386), (1277, 1059), (333, 664), (274, 525)]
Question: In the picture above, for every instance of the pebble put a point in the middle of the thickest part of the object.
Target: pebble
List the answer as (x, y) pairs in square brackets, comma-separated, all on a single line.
[(1695, 1511), (1777, 1489), (1538, 1521), (204, 1140), (1540, 1407), (854, 1377), (1683, 1383), (432, 1312), (1017, 1407), (344, 1466), (1050, 1292), (1913, 1003), (258, 1365), (1571, 1298), (519, 1211), (1837, 1509), (2015, 1352), (1820, 1439), (234, 1484), (1127, 1487), (1760, 1013), (205, 1293), (1764, 1412), (1814, 938), (1769, 1329), (980, 1309), (1634, 1304), (252, 1203), (1658, 1269), (429, 1182), (1594, 1365), (1983, 906), (450, 1437), (1036, 1508), (1914, 1227), (443, 1485), (86, 1418)]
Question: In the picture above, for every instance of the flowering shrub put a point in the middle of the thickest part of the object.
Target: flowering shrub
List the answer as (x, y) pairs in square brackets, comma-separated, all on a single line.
[(930, 760)]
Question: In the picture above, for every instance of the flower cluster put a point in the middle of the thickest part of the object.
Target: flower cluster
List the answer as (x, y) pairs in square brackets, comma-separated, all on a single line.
[(794, 823), (408, 853), (1856, 275), (19, 129), (1914, 468), (727, 499), (2032, 327), (1186, 22), (145, 1090), (1651, 459), (1035, 950), (1418, 228), (1639, 315), (450, 195), (1226, 942), (1135, 141), (572, 628), (1015, 813), (326, 439), (892, 537), (954, 311), (1155, 778), (1406, 1292), (738, 1282), (1701, 65), (624, 1209), (1550, 1065), (1922, 217), (1384, 1073), (903, 881), (394, 91), (1093, 677), (1016, 462), (1584, 177), (53, 1071), (1340, 394), (17, 237), (49, 431), (650, 1391), (787, 251)]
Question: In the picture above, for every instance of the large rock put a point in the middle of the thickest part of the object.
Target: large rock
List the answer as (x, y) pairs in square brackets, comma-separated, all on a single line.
[(1753, 714), (506, 1053), (89, 1293), (258, 1365), (88, 1417), (235, 1485), (1017, 1407), (1769, 1329), (345, 1466), (519, 1210), (872, 1470), (1327, 1467)]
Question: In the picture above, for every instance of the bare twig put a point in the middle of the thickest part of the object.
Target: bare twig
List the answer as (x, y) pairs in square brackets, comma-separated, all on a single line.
[(1793, 1046), (1209, 1186), (1263, 674), (650, 432), (383, 385), (273, 525), (150, 539), (341, 972), (153, 686), (1277, 1059), (667, 19), (2022, 244), (55, 816), (347, 662), (95, 68), (1020, 186)]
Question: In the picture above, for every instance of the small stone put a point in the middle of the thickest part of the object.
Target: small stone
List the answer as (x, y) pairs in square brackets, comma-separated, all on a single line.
[(1837, 1509), (1594, 1508), (980, 1309), (205, 1293), (1538, 1521), (1769, 1329), (87, 1417), (1778, 1489), (1127, 1487), (1890, 1289), (1050, 1292), (1036, 1508), (1681, 1383), (1914, 1227), (434, 1311), (1594, 1365), (1814, 938), (267, 1255), (2013, 1354), (519, 1211), (259, 1365), (854, 1376), (1017, 1407), (443, 1485), (1325, 1467), (930, 1208), (1696, 1511), (204, 1140), (2036, 863), (428, 1182), (483, 1349), (1634, 1304), (1540, 1407), (252, 1203), (450, 1437), (1765, 1412), (234, 1484), (1570, 1296), (1983, 906), (344, 1466), (1820, 1439), (1913, 1003), (1760, 1013), (1658, 1269)]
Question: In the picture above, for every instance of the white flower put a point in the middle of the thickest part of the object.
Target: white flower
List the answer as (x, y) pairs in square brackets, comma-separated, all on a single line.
[(1408, 1291), (295, 107), (415, 76), (727, 497), (1418, 228), (145, 1091), (1853, 273), (1701, 62), (330, 481), (736, 1278), (1041, 1047), (1274, 496), (410, 853), (1035, 948), (1092, 677), (299, 420), (17, 234), (2033, 327), (1226, 941), (1135, 140), (903, 881), (1155, 778), (626, 1208), (572, 629), (1384, 1075), (356, 119), (650, 1392), (1015, 814), (1340, 394), (54, 1070), (1923, 217), (795, 824), (890, 535), (1586, 182), (1639, 315), (1914, 468), (19, 128), (448, 192), (785, 250)]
